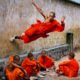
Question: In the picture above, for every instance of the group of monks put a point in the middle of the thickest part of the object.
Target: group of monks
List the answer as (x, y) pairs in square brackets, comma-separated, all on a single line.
[(29, 66)]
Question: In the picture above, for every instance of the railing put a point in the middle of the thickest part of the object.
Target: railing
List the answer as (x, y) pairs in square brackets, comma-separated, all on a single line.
[(55, 52)]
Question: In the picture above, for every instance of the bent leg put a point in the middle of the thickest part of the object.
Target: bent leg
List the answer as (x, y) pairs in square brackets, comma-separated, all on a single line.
[(65, 70)]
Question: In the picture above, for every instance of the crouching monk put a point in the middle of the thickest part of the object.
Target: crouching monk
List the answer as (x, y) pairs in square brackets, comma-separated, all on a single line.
[(41, 29), (45, 61), (14, 71), (30, 65), (69, 68)]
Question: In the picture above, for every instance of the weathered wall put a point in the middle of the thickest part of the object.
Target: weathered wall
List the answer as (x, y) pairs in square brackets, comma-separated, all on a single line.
[(17, 15)]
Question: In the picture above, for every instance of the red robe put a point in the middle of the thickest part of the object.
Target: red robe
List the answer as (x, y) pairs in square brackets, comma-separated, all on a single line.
[(30, 66), (40, 29), (69, 68), (46, 61)]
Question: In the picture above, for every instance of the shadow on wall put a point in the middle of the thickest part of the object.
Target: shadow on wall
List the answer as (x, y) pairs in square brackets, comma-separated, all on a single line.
[(72, 2), (76, 41)]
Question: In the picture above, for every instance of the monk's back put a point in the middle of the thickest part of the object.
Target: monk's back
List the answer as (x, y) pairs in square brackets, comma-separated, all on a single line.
[(74, 65)]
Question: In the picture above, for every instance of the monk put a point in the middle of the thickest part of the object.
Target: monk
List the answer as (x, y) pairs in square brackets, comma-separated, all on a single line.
[(15, 61), (30, 65), (69, 68), (13, 72), (45, 61), (41, 29)]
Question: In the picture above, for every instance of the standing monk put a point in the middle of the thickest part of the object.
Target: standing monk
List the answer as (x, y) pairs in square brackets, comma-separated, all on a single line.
[(30, 65), (45, 61), (41, 29), (69, 68)]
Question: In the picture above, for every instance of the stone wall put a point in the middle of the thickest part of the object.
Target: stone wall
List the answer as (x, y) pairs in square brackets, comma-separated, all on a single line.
[(17, 15)]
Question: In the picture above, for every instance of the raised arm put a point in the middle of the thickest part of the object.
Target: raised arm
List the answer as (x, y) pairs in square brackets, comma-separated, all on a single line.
[(62, 21), (38, 8)]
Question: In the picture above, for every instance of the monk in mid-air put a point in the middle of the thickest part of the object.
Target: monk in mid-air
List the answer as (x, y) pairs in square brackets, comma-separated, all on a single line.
[(41, 29), (69, 68), (31, 65), (45, 61)]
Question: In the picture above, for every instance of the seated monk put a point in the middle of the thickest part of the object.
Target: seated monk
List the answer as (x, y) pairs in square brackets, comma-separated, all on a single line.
[(13, 72), (69, 68), (30, 65), (45, 61), (15, 61), (41, 29)]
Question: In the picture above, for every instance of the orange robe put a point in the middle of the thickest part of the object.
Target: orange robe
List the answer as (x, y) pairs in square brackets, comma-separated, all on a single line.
[(14, 74), (9, 75), (40, 29), (45, 62), (30, 66), (10, 59), (69, 68)]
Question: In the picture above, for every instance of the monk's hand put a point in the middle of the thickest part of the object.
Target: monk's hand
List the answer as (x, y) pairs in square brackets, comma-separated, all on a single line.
[(54, 67), (63, 19), (38, 64), (32, 1), (22, 34)]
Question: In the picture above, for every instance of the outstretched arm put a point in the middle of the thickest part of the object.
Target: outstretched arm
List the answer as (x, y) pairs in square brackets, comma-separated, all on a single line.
[(38, 8), (62, 21)]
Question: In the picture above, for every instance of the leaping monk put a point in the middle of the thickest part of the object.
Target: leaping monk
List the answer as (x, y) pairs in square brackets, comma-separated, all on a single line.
[(41, 29)]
